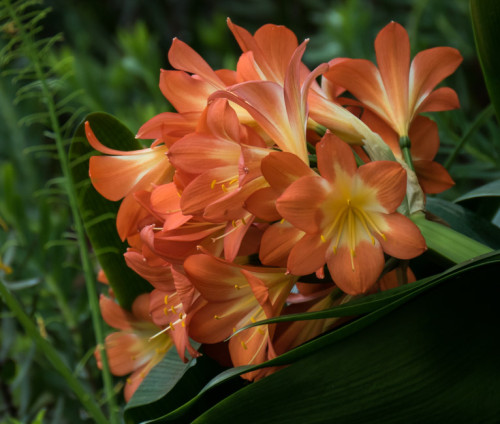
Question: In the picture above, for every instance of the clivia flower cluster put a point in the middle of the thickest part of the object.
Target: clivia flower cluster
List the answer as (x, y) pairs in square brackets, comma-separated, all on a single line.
[(268, 192)]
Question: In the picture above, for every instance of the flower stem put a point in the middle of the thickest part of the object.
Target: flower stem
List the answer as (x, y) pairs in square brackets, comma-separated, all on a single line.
[(52, 356), (449, 243), (405, 145), (48, 99)]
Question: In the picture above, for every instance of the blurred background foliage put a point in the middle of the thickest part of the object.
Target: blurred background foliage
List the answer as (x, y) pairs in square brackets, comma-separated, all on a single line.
[(108, 59)]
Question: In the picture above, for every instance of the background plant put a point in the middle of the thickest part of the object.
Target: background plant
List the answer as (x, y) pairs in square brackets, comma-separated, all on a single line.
[(108, 58)]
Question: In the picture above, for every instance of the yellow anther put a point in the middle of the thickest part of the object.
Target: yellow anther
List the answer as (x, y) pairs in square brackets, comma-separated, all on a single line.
[(243, 221), (224, 189), (171, 326), (383, 236), (234, 329), (261, 331), (236, 286), (243, 344), (183, 324), (252, 319), (282, 221), (212, 184), (234, 180), (165, 311), (172, 309), (216, 316), (323, 239), (233, 223), (165, 300), (181, 315), (129, 381)]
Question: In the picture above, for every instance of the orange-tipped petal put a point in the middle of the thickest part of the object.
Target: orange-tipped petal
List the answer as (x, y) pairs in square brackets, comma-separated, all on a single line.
[(307, 256), (432, 176), (300, 203), (332, 150), (277, 242), (443, 98), (429, 68), (392, 47), (388, 180), (114, 315), (355, 274), (403, 239), (184, 58)]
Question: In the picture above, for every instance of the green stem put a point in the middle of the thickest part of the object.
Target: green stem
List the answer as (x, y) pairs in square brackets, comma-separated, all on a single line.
[(447, 242), (482, 117), (52, 356), (72, 197), (405, 145)]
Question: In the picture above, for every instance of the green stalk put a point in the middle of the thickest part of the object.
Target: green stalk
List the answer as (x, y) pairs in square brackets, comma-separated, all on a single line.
[(405, 144), (71, 193), (53, 357), (482, 117), (447, 242)]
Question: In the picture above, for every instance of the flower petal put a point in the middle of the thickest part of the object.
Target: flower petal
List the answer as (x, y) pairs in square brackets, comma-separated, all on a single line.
[(300, 204), (331, 150), (355, 275), (403, 239), (307, 256)]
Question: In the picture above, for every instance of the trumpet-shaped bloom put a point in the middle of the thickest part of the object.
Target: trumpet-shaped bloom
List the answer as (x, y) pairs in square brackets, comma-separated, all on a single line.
[(236, 296), (119, 174), (132, 350), (349, 217), (396, 90)]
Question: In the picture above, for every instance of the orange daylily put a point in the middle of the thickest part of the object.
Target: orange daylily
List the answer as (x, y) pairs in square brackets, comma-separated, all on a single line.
[(349, 217), (131, 350), (397, 91)]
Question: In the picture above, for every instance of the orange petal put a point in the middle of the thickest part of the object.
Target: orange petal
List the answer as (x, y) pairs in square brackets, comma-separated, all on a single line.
[(432, 176), (184, 92), (183, 57), (277, 242), (331, 150), (281, 169), (262, 204), (307, 256), (403, 239), (388, 179), (443, 98), (424, 138), (175, 125), (114, 315), (392, 47), (429, 68), (301, 202), (355, 276), (160, 277)]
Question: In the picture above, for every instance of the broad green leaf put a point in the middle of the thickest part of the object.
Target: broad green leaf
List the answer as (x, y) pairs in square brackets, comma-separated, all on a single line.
[(99, 214), (171, 384), (465, 222), (485, 16), (434, 359), (337, 336), (491, 189)]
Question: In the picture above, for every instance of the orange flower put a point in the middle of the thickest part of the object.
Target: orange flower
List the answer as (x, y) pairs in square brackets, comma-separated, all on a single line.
[(398, 91), (349, 217), (132, 350), (235, 296), (123, 173)]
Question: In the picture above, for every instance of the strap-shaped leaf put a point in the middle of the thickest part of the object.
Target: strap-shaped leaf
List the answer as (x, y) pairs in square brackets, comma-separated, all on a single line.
[(486, 24), (99, 214), (435, 359), (388, 308)]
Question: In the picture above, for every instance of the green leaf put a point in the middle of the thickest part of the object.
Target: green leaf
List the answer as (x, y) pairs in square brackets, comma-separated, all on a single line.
[(336, 337), (434, 359), (491, 189), (485, 16), (465, 222), (171, 384), (99, 214)]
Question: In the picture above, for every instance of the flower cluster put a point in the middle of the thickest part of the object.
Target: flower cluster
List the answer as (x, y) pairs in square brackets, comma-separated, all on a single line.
[(267, 192)]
